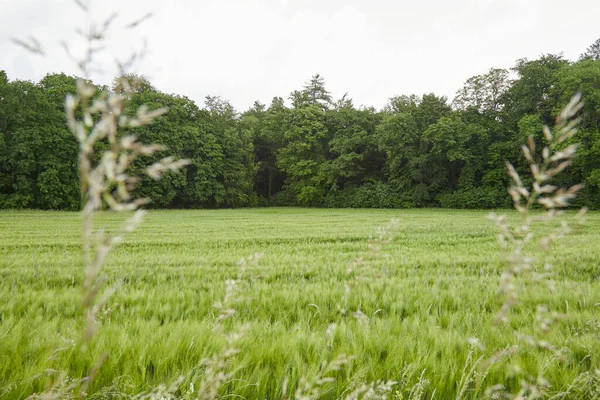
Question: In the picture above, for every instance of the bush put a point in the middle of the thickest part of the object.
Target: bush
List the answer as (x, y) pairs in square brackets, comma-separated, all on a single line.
[(476, 197), (283, 198), (370, 195)]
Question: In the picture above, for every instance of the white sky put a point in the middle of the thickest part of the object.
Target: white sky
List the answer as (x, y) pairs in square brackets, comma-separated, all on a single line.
[(247, 50)]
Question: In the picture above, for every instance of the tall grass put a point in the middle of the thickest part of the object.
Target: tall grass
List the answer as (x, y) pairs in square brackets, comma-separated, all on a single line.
[(437, 291)]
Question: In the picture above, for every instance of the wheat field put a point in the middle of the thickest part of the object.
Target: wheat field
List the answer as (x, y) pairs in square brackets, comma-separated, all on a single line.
[(419, 311)]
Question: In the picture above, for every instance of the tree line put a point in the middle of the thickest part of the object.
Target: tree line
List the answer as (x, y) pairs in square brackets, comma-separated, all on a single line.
[(313, 150)]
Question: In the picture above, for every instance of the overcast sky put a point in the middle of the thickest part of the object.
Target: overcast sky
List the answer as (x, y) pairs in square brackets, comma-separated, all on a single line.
[(247, 50)]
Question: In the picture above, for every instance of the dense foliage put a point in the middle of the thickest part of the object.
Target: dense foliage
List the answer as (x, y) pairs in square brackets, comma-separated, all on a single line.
[(418, 151)]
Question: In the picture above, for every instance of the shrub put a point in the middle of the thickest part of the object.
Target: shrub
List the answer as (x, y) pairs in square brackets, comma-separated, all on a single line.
[(476, 197), (370, 195)]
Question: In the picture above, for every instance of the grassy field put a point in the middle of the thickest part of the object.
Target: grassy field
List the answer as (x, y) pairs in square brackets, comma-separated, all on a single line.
[(430, 290)]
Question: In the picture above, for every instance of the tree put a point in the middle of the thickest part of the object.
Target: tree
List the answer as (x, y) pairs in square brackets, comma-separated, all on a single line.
[(237, 164), (583, 77), (459, 146), (267, 127), (38, 154), (313, 93), (484, 92), (353, 154), (592, 52), (399, 138), (201, 147), (168, 129), (58, 184), (416, 151), (410, 167), (303, 153), (344, 102), (132, 83), (530, 92)]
